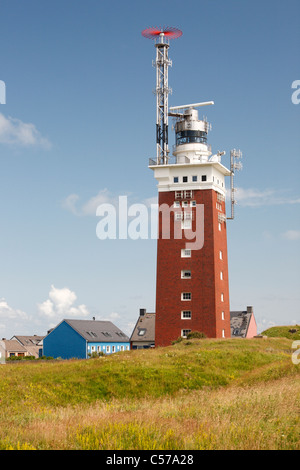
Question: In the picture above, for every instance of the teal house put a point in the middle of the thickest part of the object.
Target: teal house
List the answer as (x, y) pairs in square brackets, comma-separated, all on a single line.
[(81, 338)]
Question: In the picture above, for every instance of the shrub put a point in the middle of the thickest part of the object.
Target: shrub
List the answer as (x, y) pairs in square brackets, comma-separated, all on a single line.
[(196, 334)]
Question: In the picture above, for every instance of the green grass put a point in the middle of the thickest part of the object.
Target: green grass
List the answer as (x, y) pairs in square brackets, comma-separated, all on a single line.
[(283, 332), (150, 398)]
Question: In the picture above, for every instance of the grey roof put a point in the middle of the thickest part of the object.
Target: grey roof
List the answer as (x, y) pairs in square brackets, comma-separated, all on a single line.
[(239, 323), (95, 331), (28, 340), (11, 345), (144, 329)]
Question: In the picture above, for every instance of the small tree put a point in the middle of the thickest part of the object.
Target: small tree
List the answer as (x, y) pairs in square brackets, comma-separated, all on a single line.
[(196, 334)]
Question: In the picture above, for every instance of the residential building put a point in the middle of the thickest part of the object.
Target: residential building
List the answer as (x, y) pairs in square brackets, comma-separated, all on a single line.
[(143, 335), (81, 338), (243, 324)]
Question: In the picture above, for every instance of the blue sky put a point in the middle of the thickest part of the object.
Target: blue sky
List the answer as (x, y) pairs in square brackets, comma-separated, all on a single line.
[(78, 128)]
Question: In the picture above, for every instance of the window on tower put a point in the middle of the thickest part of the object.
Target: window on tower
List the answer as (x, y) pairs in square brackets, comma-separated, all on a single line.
[(203, 178), (186, 296), (184, 333), (186, 253), (195, 178), (175, 179), (186, 314), (186, 274), (184, 179)]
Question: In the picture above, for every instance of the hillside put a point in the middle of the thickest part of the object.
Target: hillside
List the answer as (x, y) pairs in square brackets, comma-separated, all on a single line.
[(196, 394), (283, 332)]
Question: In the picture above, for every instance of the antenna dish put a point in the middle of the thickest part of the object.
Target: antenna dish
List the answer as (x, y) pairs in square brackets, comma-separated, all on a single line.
[(155, 31)]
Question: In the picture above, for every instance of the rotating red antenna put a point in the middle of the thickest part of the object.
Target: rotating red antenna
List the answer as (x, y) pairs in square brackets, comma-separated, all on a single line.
[(154, 32), (162, 63)]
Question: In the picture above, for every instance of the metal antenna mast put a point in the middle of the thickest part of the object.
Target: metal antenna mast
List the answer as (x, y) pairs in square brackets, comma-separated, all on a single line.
[(234, 165), (162, 63)]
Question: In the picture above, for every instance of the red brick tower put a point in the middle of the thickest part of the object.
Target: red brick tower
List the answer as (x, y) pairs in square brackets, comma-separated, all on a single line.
[(192, 291)]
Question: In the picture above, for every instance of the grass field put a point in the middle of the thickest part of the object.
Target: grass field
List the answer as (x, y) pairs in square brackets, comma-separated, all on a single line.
[(198, 394)]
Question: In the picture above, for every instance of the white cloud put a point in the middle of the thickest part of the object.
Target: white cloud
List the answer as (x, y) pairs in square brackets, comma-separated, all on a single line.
[(291, 235), (89, 207), (61, 304), (16, 132), (252, 197), (9, 313)]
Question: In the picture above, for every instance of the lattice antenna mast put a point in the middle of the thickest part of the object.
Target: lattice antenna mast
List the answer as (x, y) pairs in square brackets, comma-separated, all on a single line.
[(234, 165), (162, 91)]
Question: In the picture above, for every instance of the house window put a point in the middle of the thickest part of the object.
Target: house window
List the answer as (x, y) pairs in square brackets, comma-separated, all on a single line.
[(122, 348), (193, 203), (223, 315), (186, 253), (186, 274), (93, 348), (178, 216), (175, 179), (186, 314), (177, 204), (178, 194), (220, 227), (98, 349), (221, 254), (184, 179), (221, 275), (184, 333), (108, 349), (222, 297), (186, 296), (114, 349), (142, 332), (195, 178), (127, 347), (223, 333), (203, 178)]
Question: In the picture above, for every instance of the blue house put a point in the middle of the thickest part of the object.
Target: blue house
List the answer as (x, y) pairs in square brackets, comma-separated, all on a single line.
[(80, 338)]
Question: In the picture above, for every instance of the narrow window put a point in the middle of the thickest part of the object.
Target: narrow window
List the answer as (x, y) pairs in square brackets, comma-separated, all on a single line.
[(223, 315), (186, 296), (222, 297), (223, 333), (184, 333), (175, 179), (221, 275), (186, 253), (195, 178), (203, 178), (184, 179), (177, 204), (186, 274), (221, 254), (186, 314)]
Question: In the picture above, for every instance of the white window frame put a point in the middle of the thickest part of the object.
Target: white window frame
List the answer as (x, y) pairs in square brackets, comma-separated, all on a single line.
[(122, 347), (221, 254), (107, 349), (113, 349), (186, 253), (184, 315), (186, 296), (223, 315), (222, 297), (223, 333), (187, 331), (184, 275), (221, 275), (177, 204)]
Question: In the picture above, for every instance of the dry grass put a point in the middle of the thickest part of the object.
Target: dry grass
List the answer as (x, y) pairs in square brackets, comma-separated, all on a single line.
[(261, 416)]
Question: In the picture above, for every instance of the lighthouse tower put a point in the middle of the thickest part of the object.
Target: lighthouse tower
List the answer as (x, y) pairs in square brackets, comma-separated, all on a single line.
[(192, 288)]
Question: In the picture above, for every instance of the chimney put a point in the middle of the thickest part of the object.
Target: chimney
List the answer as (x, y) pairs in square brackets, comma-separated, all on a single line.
[(142, 312), (250, 309)]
